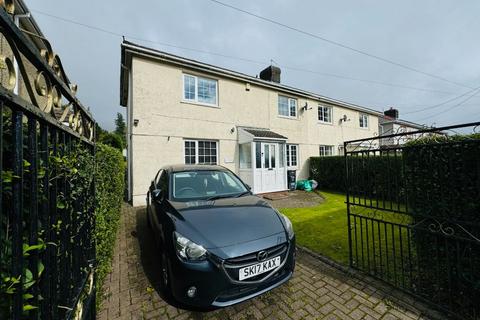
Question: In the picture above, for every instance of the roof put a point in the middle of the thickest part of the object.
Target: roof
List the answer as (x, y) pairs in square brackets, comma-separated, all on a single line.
[(194, 167), (264, 134), (404, 123), (128, 49)]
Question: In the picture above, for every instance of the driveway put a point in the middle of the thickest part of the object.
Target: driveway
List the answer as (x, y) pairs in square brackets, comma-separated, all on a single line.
[(316, 291)]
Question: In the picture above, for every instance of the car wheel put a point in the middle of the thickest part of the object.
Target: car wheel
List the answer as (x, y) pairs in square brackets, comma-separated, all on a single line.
[(165, 274)]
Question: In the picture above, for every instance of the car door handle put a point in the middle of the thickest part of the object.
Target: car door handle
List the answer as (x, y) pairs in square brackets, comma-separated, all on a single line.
[(270, 169)]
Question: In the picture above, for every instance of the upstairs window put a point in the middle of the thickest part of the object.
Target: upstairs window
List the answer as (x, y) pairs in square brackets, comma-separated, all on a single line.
[(363, 120), (325, 114), (292, 155), (200, 152), (287, 107), (326, 151), (198, 89)]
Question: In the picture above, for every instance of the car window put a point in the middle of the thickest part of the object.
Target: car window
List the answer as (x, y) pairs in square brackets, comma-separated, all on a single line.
[(157, 176), (203, 184), (163, 181)]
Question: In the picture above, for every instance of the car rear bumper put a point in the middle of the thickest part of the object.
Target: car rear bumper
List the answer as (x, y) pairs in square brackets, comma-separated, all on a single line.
[(216, 288)]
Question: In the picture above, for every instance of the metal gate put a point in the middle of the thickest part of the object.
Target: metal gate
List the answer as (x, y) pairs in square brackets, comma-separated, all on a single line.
[(47, 248), (413, 205)]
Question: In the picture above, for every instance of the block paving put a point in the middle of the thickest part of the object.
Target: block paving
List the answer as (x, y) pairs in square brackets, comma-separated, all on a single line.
[(316, 291)]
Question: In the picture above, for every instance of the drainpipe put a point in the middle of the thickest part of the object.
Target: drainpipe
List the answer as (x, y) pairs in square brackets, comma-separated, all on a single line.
[(16, 19)]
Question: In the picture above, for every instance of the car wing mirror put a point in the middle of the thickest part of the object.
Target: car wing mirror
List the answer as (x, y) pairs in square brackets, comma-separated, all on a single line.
[(157, 194)]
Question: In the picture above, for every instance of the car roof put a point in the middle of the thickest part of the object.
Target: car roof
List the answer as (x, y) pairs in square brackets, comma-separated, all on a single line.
[(193, 167)]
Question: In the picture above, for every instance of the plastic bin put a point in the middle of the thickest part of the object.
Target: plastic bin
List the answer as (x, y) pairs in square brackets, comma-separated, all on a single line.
[(292, 179)]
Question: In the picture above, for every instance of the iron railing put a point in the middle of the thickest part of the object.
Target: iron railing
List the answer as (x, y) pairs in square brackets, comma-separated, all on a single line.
[(413, 206), (47, 247)]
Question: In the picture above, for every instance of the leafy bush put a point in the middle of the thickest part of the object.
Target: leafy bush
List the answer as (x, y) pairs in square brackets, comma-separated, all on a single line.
[(443, 175), (329, 172), (112, 139), (374, 177), (110, 184)]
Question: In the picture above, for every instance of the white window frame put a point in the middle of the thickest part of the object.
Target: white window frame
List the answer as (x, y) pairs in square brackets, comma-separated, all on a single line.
[(322, 150), (289, 104), (195, 99), (323, 114), (196, 149), (363, 124), (288, 149)]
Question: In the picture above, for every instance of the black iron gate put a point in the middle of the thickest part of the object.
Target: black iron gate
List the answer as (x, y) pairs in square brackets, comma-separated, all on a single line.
[(47, 247), (413, 205)]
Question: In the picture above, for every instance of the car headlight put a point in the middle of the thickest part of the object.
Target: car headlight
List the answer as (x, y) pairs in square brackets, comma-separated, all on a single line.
[(288, 226), (188, 250)]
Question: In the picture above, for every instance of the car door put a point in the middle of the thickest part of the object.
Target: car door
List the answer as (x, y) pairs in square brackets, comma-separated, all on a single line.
[(159, 204)]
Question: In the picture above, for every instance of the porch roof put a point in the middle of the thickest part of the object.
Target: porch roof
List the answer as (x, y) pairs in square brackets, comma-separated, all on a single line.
[(249, 134)]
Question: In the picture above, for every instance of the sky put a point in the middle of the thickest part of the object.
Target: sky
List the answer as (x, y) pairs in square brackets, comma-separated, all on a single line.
[(435, 37)]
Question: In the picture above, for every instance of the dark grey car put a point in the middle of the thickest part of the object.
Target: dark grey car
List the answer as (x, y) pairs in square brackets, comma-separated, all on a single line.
[(220, 244)]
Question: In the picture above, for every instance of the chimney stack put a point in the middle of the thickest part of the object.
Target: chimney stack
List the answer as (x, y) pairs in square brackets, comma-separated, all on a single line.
[(271, 73), (391, 113)]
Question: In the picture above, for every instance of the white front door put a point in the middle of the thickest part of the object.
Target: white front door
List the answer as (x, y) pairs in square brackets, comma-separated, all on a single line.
[(270, 174), (269, 168)]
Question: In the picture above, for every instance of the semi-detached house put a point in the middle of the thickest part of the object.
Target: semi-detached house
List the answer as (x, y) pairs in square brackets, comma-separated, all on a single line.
[(184, 111)]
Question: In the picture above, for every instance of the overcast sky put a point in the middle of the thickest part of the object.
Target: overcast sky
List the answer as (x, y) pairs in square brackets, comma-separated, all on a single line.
[(437, 37)]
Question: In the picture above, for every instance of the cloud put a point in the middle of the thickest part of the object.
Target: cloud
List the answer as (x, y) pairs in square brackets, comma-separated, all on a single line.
[(437, 37)]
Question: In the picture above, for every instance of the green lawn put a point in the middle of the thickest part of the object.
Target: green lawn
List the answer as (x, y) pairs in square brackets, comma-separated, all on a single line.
[(323, 228), (381, 248)]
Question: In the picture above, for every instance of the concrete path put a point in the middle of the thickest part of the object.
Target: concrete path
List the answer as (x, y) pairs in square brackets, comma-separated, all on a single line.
[(317, 291)]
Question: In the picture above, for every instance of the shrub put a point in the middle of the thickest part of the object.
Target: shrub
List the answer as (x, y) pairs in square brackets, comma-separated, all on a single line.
[(329, 172), (113, 140), (110, 184), (443, 175), (373, 177)]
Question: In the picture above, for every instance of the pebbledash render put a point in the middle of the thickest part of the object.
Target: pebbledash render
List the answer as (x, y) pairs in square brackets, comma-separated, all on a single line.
[(184, 111)]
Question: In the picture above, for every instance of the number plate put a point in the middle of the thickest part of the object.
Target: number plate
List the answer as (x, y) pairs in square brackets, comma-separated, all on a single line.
[(259, 268)]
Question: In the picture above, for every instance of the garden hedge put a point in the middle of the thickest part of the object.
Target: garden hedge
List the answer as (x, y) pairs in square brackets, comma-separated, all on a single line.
[(109, 188), (376, 177), (443, 175)]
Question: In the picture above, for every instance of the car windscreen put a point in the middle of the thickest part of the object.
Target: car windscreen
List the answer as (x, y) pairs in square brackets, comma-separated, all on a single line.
[(204, 185)]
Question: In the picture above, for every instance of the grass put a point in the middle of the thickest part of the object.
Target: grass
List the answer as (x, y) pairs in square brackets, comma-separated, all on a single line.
[(323, 228)]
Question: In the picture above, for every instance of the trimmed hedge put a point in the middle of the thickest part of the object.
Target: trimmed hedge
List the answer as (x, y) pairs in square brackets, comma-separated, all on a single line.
[(443, 174), (376, 177), (329, 172), (109, 187)]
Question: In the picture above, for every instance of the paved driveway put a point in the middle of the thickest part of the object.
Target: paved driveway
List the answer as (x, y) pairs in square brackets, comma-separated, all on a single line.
[(316, 291)]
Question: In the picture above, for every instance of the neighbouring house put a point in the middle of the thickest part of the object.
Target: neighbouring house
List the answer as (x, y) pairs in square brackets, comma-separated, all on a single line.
[(391, 124), (184, 111)]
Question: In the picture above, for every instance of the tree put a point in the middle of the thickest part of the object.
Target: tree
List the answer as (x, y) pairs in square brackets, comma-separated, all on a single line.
[(121, 128), (112, 139), (99, 132)]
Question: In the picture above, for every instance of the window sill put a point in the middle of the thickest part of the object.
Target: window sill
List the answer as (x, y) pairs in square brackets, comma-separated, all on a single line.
[(364, 128), (200, 104), (326, 123), (287, 117)]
